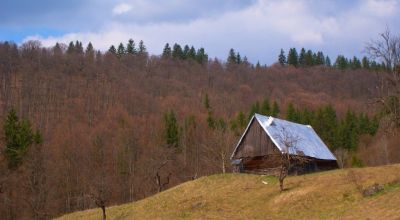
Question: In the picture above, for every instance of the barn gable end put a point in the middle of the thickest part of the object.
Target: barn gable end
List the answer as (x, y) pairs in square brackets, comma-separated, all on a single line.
[(259, 149)]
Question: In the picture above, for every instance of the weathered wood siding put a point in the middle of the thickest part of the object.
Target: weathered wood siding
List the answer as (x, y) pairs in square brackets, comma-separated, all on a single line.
[(256, 143)]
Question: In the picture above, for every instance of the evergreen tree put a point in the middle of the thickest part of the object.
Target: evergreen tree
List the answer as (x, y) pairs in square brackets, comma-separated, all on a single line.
[(192, 53), (302, 57), (121, 50), (341, 62), (89, 49), (171, 132), (112, 50), (309, 58), (255, 108), (232, 57), (238, 58), (320, 58), (186, 52), (275, 109), (78, 47), (241, 120), (142, 49), (201, 56), (167, 52), (356, 64), (291, 114), (328, 61), (19, 136), (282, 58), (177, 52), (71, 48), (265, 107), (130, 47), (365, 63), (293, 58), (258, 66)]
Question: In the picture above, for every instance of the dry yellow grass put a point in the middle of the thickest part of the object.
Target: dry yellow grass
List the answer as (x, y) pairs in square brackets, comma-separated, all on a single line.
[(327, 195)]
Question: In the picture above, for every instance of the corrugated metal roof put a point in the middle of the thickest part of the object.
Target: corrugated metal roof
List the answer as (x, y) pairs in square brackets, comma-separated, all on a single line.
[(303, 138)]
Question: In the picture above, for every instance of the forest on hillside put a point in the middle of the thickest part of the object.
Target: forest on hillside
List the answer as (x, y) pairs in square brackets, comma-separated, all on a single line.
[(103, 128)]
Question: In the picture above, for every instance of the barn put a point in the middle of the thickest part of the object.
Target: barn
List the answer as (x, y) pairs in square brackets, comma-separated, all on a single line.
[(266, 138)]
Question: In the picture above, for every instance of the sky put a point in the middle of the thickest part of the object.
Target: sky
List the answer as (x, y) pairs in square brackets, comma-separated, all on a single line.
[(257, 29)]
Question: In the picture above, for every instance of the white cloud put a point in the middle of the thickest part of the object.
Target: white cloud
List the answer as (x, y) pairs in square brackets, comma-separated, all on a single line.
[(121, 9), (259, 30), (383, 8)]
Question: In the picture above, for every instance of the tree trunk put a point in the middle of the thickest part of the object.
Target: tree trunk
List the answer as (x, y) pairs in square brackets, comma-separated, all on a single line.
[(103, 208)]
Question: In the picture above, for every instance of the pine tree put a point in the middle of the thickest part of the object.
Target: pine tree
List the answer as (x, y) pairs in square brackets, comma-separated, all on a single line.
[(241, 119), (201, 56), (282, 58), (341, 62), (265, 107), (142, 49), (238, 58), (130, 47), (258, 66), (78, 47), (309, 58), (302, 57), (177, 52), (293, 58), (365, 63), (255, 108), (356, 64), (186, 51), (112, 50), (171, 132), (275, 109), (232, 57), (192, 53), (167, 53), (328, 61), (71, 48), (320, 58), (121, 50), (291, 114), (19, 136)]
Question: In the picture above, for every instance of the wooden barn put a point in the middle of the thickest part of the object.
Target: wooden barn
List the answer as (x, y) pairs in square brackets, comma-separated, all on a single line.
[(260, 148)]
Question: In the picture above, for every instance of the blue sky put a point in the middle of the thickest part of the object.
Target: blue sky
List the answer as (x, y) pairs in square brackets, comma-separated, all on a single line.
[(255, 28)]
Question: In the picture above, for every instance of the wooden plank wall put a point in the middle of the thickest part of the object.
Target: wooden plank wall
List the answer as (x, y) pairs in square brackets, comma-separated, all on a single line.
[(256, 143)]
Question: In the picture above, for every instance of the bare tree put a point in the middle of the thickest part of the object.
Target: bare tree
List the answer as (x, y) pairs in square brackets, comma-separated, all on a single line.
[(157, 177), (387, 49), (341, 155), (35, 185), (99, 181), (290, 155)]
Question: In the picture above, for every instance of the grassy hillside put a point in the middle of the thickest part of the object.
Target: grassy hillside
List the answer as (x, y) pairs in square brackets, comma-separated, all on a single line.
[(335, 194)]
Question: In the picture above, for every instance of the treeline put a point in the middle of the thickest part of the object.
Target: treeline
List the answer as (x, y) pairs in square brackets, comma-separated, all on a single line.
[(308, 58), (187, 53), (129, 49)]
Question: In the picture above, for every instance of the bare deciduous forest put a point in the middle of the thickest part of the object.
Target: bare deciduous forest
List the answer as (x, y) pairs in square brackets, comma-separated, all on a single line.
[(102, 121)]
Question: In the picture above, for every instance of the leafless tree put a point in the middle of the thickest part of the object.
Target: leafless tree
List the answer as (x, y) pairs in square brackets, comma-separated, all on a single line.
[(290, 155), (387, 49), (35, 185), (341, 155), (161, 184), (99, 182)]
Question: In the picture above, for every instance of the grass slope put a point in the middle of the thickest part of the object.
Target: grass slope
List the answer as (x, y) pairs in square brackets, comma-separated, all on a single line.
[(328, 195)]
